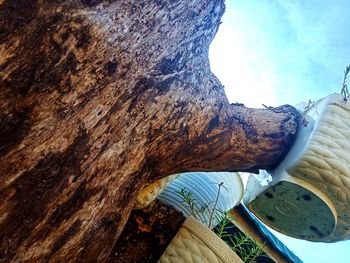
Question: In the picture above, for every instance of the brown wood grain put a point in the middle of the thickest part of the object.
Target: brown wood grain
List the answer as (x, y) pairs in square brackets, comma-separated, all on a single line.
[(100, 98)]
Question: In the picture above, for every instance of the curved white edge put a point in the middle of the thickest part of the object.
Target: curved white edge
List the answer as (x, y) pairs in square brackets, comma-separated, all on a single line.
[(303, 137), (203, 187)]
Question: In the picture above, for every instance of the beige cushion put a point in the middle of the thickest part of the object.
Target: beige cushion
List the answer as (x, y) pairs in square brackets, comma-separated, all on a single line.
[(309, 196), (149, 193), (194, 242)]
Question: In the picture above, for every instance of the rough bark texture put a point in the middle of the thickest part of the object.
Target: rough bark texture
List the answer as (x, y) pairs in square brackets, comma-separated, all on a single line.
[(98, 99)]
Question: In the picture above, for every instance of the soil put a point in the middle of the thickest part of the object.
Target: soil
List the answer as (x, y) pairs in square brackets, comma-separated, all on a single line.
[(147, 234)]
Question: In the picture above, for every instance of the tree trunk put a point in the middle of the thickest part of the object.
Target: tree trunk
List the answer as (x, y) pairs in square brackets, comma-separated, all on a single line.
[(100, 98)]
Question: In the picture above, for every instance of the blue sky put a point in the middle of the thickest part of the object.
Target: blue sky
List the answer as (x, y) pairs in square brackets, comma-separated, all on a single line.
[(276, 52), (282, 51)]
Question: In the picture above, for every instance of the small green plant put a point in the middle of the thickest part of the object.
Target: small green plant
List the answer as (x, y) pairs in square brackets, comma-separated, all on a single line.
[(247, 249), (344, 91), (190, 201), (224, 220), (209, 208), (212, 212), (304, 122)]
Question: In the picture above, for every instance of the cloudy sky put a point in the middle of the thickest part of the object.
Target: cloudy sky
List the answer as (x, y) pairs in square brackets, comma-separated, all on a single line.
[(276, 52)]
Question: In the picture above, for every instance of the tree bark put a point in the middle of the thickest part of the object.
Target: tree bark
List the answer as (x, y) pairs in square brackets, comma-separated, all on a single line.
[(100, 98)]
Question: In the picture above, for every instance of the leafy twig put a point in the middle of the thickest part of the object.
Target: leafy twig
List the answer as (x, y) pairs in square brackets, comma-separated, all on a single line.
[(247, 249), (215, 204), (344, 90), (304, 122), (224, 220), (189, 200)]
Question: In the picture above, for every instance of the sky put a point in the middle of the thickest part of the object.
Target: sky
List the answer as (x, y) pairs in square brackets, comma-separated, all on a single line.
[(277, 52)]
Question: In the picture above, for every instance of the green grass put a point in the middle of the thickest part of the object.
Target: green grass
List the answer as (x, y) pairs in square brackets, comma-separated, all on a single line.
[(246, 248)]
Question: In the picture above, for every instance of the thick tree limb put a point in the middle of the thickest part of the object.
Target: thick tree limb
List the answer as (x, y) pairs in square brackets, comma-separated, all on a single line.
[(100, 98)]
